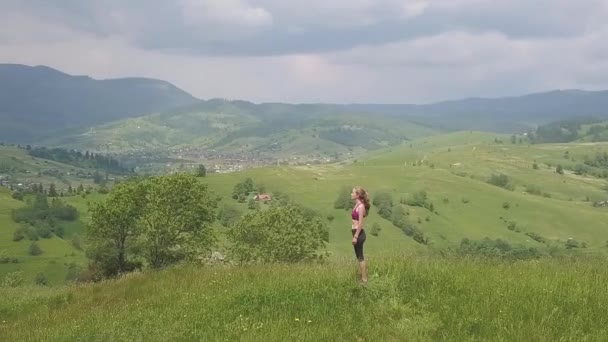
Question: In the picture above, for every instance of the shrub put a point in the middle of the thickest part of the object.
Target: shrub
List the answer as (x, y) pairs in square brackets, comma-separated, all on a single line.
[(418, 199), (533, 190), (253, 204), (34, 249), (511, 225), (571, 243), (536, 237), (343, 201), (385, 211), (279, 234), (375, 231), (41, 280), (501, 180), (382, 198)]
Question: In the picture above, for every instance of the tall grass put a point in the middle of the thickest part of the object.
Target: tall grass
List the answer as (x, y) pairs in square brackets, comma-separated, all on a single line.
[(408, 298)]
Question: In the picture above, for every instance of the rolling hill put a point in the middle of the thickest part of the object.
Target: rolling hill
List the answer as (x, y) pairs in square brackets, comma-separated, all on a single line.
[(231, 126), (412, 291), (43, 106), (39, 101), (506, 115), (454, 170)]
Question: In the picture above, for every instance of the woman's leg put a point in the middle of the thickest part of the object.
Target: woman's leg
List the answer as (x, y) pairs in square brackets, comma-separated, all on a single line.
[(360, 257)]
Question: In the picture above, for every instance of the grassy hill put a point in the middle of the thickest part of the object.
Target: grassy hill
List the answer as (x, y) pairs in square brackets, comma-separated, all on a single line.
[(597, 132), (238, 126), (413, 292), (57, 253), (17, 166), (454, 172), (453, 169)]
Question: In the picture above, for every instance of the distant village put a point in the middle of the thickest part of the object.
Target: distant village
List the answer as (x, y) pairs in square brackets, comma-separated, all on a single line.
[(176, 159)]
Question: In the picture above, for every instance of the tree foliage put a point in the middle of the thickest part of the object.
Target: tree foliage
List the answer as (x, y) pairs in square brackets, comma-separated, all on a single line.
[(242, 189), (279, 234), (159, 220), (343, 201)]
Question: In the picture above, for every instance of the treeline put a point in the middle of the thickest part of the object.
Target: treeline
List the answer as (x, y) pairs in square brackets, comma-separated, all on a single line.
[(563, 131), (40, 219), (155, 222), (79, 159), (497, 249)]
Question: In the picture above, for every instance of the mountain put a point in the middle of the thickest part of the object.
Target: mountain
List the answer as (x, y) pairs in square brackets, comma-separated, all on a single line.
[(326, 129), (507, 115), (41, 105), (38, 101)]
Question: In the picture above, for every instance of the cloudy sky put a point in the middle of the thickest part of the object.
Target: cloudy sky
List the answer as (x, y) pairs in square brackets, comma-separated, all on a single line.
[(341, 51)]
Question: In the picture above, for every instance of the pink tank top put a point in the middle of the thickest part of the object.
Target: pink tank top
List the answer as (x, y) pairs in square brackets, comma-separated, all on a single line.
[(354, 214)]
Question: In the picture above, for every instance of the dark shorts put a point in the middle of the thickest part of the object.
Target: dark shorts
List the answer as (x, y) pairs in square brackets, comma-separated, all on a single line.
[(359, 245)]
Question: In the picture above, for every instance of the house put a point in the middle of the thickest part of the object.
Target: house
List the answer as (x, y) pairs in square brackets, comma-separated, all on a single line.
[(263, 197)]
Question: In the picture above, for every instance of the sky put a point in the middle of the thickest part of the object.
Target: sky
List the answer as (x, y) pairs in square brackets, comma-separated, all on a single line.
[(331, 51)]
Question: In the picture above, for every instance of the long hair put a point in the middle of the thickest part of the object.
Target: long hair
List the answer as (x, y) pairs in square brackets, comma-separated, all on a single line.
[(363, 196)]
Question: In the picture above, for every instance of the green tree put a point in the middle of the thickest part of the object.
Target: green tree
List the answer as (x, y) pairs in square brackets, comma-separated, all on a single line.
[(34, 249), (176, 219), (53, 191), (242, 189), (375, 231), (559, 169), (201, 171), (18, 195), (279, 234), (114, 229), (253, 204)]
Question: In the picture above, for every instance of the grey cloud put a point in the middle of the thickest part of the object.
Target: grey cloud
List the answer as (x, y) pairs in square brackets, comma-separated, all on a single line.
[(318, 51), (274, 27)]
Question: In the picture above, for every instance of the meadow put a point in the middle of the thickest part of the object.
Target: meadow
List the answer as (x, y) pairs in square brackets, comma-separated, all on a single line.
[(416, 292), (409, 297), (453, 169)]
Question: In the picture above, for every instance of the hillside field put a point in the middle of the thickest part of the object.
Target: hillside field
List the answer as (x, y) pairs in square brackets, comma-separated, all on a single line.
[(452, 169)]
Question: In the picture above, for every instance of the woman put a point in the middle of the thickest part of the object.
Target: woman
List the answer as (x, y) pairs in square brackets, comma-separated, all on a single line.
[(359, 195)]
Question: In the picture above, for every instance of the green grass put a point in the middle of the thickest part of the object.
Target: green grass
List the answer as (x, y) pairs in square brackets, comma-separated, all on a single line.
[(408, 298), (462, 162), (413, 294), (57, 253), (566, 214), (27, 169)]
